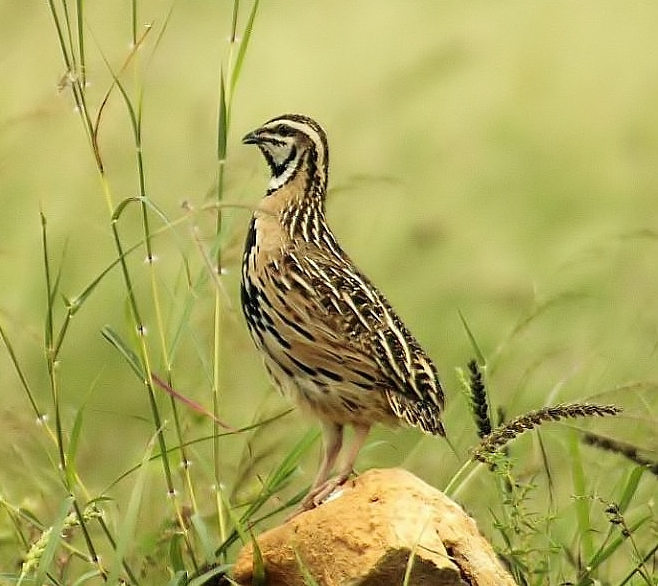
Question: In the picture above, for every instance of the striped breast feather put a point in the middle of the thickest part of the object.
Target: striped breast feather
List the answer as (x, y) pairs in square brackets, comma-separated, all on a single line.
[(300, 340), (347, 306)]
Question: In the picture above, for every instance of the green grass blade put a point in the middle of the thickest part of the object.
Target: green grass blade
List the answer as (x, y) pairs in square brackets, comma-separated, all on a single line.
[(274, 482), (20, 374), (640, 565), (309, 580), (242, 50), (582, 501), (127, 529), (630, 488), (192, 442), (204, 579), (605, 552), (86, 577), (49, 288), (222, 121), (259, 577), (48, 555), (476, 347), (179, 579), (131, 358), (72, 449), (176, 561), (290, 463), (60, 36), (79, 19), (203, 534), (69, 37)]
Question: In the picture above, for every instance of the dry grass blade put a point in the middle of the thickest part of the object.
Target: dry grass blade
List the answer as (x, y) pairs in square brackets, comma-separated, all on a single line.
[(191, 404)]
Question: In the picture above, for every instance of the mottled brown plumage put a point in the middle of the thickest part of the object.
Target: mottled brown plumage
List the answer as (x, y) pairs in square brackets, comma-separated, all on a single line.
[(328, 337)]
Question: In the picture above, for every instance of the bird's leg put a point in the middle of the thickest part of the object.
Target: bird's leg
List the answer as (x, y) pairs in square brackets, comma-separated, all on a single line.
[(332, 440), (322, 491)]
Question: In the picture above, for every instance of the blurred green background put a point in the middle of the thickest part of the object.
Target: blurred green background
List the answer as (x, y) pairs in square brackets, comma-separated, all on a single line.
[(497, 159)]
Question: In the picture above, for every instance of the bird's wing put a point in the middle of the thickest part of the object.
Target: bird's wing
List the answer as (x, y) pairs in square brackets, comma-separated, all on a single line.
[(337, 319)]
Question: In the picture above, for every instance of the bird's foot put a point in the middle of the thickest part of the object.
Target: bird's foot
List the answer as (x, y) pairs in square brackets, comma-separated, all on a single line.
[(320, 493)]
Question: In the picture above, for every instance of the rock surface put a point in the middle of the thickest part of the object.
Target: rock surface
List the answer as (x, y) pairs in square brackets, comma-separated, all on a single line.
[(379, 526)]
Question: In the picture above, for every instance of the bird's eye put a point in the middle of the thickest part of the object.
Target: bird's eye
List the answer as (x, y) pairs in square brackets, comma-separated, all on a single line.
[(284, 130)]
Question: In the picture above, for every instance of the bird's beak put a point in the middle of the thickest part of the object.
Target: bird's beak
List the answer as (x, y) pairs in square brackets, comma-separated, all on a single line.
[(251, 138)]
